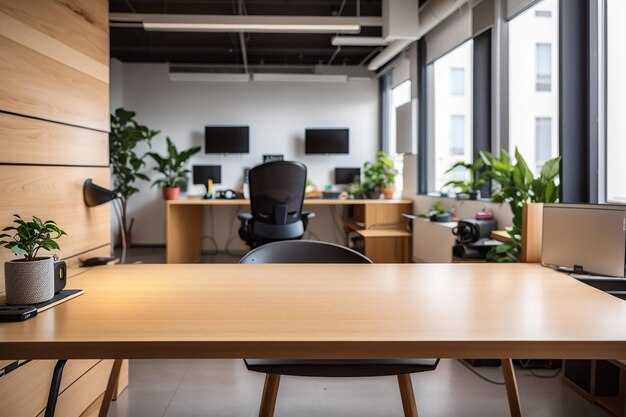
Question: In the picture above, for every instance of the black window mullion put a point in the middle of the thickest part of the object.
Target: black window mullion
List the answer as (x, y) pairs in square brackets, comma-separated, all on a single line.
[(481, 100)]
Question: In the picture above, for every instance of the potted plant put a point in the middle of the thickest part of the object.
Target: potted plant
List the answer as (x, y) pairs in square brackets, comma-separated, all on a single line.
[(125, 162), (356, 189), (471, 187), (380, 177), (518, 186), (171, 167), (30, 280)]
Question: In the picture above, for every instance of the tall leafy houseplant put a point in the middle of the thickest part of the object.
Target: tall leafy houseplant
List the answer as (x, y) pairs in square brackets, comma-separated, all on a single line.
[(380, 176), (171, 166), (126, 163), (478, 177), (518, 186)]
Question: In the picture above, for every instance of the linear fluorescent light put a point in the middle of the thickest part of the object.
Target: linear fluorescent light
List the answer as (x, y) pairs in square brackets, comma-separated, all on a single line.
[(246, 23), (358, 41), (225, 27), (208, 77), (300, 78)]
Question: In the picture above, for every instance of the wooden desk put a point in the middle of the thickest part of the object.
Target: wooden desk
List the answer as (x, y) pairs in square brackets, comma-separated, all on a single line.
[(184, 220), (326, 312)]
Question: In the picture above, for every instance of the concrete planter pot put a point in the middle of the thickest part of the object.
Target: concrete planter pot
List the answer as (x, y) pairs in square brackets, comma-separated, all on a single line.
[(29, 282)]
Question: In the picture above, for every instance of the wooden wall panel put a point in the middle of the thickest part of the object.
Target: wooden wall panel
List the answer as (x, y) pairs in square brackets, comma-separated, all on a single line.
[(35, 85), (85, 24), (41, 142), (56, 193), (23, 392), (81, 394), (54, 119)]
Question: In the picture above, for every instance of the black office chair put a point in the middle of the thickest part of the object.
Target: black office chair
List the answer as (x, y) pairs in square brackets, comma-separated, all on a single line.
[(276, 197), (306, 251)]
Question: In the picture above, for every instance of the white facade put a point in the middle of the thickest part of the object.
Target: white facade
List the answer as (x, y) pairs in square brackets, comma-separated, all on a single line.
[(534, 99)]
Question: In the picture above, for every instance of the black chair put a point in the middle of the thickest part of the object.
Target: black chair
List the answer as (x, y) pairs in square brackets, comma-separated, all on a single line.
[(306, 251), (276, 197)]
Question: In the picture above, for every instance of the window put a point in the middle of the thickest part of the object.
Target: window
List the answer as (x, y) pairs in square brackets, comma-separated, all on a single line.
[(457, 135), (400, 94), (457, 81), (543, 13), (543, 141), (451, 135), (615, 102), (533, 89), (544, 67)]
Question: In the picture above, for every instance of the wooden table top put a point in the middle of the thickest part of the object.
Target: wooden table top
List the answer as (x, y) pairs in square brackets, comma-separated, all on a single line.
[(307, 202), (324, 311)]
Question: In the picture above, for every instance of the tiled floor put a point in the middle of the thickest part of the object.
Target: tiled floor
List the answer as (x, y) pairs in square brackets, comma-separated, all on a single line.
[(225, 388), (169, 388)]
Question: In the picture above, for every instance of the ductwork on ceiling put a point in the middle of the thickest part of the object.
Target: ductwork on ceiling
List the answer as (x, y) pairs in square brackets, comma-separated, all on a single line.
[(397, 15)]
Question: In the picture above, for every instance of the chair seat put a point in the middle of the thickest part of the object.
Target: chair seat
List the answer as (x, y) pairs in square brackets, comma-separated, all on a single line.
[(342, 367)]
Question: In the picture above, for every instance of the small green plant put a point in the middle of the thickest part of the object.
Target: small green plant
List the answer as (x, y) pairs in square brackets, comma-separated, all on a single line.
[(125, 162), (439, 207), (356, 188), (171, 165), (478, 177), (519, 186), (31, 236), (380, 173)]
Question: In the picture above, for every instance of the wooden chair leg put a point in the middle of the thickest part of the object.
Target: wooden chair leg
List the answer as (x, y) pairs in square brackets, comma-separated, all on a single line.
[(408, 397), (511, 388), (270, 391)]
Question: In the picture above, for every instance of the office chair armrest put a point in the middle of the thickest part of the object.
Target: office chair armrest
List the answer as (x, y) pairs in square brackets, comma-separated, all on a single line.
[(305, 216), (244, 216)]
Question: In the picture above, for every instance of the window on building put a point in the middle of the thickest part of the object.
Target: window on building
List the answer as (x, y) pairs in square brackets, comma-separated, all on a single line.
[(451, 136), (457, 135), (543, 141), (457, 81), (615, 102), (544, 67), (533, 89)]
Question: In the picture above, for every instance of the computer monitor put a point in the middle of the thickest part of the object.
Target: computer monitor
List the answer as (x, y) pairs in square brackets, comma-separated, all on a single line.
[(588, 238), (326, 141), (347, 175), (226, 139), (203, 173)]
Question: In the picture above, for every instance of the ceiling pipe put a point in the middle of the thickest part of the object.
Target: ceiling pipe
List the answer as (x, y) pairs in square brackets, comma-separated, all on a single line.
[(434, 12), (429, 15), (388, 53)]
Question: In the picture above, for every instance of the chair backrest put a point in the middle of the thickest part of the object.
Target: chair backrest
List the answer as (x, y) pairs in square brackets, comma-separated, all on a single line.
[(277, 192), (303, 251)]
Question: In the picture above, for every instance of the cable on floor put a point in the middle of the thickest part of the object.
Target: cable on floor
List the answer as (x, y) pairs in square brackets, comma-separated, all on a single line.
[(478, 374)]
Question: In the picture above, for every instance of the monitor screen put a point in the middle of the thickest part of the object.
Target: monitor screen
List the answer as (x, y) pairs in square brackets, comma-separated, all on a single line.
[(326, 141), (226, 139), (347, 175), (203, 173), (585, 238)]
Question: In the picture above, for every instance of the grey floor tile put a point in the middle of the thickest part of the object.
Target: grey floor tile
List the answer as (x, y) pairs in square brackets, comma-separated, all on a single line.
[(224, 388)]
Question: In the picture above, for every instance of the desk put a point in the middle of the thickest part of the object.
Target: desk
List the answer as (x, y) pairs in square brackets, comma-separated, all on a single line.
[(326, 312), (184, 219)]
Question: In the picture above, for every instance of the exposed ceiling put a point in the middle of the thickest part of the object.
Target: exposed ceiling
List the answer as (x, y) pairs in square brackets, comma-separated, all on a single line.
[(134, 44)]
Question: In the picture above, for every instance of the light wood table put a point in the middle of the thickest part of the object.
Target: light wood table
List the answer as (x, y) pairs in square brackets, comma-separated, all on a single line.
[(184, 224), (326, 312)]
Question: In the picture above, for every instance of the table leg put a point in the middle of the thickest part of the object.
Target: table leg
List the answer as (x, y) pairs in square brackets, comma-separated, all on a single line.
[(55, 385), (111, 387), (511, 388)]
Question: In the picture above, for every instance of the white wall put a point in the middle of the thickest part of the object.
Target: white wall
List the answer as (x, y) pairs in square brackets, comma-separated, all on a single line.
[(277, 113)]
